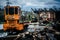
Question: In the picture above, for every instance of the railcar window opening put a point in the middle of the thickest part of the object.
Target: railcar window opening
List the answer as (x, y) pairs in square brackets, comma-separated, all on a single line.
[(11, 11), (7, 11), (16, 10)]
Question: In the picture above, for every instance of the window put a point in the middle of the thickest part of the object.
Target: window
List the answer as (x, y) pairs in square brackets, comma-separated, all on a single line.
[(16, 10), (6, 11), (11, 11)]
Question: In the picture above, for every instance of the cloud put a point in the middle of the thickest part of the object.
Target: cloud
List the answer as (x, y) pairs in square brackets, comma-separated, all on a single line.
[(57, 0), (32, 3), (40, 3)]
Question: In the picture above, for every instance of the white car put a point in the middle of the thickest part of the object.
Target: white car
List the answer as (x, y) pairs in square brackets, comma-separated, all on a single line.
[(35, 27)]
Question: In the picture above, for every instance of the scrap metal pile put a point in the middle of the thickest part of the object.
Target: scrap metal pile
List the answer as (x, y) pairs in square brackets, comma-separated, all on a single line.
[(34, 32)]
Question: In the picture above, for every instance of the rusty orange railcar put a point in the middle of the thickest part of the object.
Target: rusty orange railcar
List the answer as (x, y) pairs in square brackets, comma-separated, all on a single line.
[(12, 15)]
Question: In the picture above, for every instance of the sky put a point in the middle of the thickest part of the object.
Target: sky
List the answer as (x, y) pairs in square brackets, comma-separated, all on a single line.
[(28, 4)]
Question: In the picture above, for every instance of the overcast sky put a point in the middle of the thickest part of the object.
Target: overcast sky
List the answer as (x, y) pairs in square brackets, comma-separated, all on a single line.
[(28, 4)]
